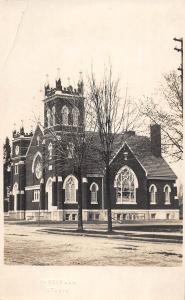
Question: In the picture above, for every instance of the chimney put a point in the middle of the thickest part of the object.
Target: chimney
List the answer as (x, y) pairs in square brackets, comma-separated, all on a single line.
[(155, 134)]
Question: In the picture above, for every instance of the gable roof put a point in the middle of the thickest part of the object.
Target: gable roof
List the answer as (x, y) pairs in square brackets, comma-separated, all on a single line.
[(38, 131), (154, 166), (140, 146)]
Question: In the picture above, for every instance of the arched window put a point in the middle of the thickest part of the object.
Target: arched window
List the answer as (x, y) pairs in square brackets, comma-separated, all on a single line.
[(49, 191), (49, 117), (94, 190), (167, 191), (37, 162), (126, 183), (54, 115), (50, 150), (75, 113), (153, 190), (70, 149), (65, 113), (15, 192), (38, 140), (70, 186)]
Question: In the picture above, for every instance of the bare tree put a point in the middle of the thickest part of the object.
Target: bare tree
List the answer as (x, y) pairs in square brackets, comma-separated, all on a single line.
[(169, 114), (112, 116)]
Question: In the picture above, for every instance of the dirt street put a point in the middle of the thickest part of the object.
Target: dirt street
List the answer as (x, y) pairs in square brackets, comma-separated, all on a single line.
[(30, 245)]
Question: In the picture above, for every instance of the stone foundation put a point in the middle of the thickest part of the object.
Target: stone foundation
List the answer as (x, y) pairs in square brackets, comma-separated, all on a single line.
[(95, 215)]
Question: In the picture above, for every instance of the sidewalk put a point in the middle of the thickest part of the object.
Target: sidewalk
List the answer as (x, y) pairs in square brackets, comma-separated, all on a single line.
[(154, 231), (169, 237)]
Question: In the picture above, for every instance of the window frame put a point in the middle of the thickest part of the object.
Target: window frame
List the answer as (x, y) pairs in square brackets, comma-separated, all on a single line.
[(49, 118), (94, 193), (121, 200), (65, 112), (50, 150), (16, 169), (75, 114), (53, 110), (167, 201), (75, 182), (154, 200), (36, 195)]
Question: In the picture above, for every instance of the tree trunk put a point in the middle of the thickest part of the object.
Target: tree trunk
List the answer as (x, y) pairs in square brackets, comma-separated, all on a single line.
[(80, 221), (108, 198)]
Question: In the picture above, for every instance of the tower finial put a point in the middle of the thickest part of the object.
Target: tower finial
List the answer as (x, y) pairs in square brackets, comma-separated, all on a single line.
[(81, 84), (22, 128), (58, 81), (14, 130), (58, 74), (68, 79)]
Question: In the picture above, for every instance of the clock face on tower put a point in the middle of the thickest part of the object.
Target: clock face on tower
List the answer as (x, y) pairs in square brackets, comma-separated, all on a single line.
[(17, 150), (38, 170)]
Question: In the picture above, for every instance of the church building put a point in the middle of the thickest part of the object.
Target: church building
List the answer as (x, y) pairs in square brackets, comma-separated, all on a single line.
[(142, 184)]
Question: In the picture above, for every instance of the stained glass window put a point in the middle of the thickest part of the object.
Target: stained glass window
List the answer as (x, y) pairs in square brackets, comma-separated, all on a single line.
[(70, 190), (75, 113), (94, 189), (167, 191), (125, 186), (152, 191), (65, 113)]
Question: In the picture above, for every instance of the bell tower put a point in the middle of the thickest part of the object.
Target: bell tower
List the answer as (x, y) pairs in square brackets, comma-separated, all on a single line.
[(63, 107)]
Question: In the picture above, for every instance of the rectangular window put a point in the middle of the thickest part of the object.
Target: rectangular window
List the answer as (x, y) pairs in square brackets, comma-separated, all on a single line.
[(124, 216), (36, 197), (16, 168), (97, 216), (118, 217), (90, 216), (153, 216), (67, 217), (73, 217)]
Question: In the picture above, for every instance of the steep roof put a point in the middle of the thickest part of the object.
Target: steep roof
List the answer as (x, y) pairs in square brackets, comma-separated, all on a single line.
[(140, 146), (154, 166), (38, 131)]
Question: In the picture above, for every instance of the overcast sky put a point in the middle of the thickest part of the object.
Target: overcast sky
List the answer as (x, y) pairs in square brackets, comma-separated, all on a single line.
[(38, 36)]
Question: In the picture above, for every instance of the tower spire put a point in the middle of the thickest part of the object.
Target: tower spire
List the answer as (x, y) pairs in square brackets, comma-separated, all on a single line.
[(81, 84), (22, 128), (46, 85), (58, 81)]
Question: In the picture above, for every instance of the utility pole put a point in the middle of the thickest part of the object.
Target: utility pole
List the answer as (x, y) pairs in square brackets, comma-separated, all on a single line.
[(180, 40)]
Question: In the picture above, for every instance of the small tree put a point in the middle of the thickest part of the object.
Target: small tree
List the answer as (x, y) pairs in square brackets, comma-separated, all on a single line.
[(169, 114)]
